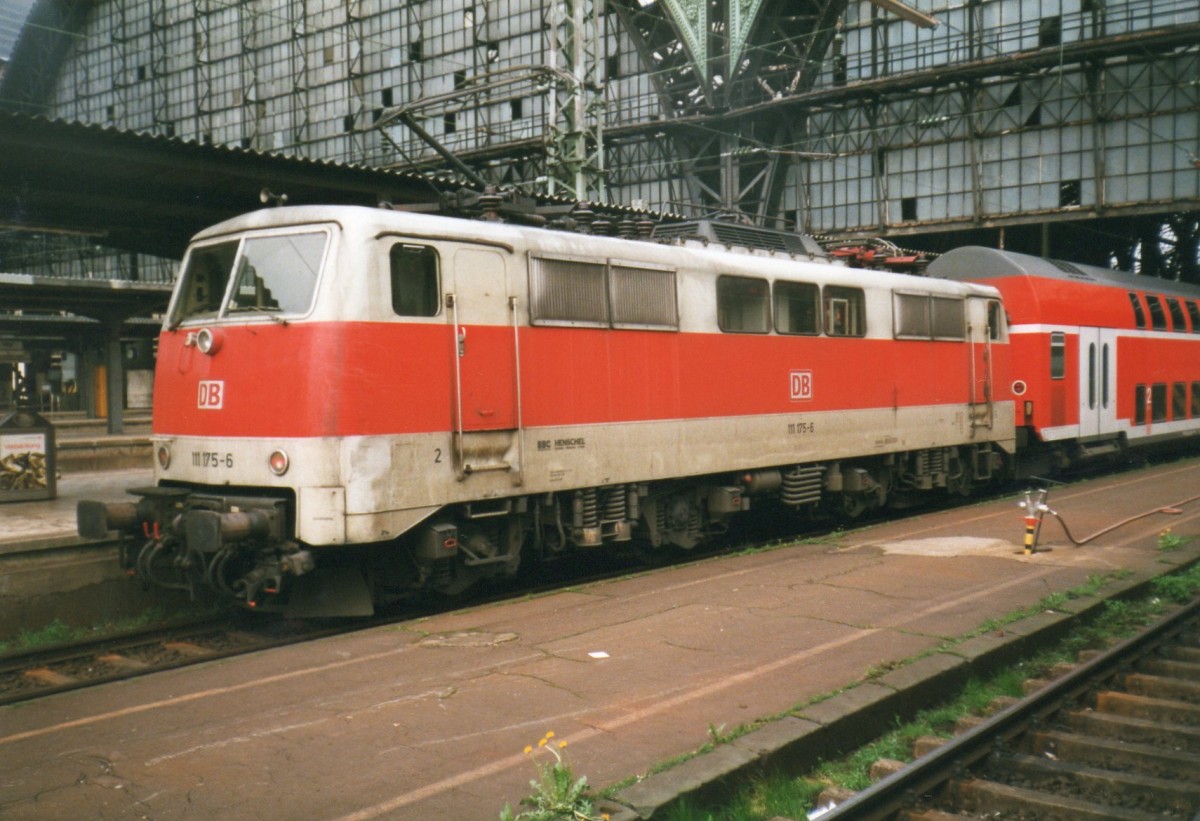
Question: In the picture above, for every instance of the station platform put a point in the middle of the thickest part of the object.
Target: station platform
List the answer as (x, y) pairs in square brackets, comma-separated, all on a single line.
[(50, 524), (85, 445), (428, 719)]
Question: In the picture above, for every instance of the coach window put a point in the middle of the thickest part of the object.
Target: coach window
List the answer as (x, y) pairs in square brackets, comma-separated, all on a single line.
[(1179, 400), (1139, 313), (1177, 320), (1158, 317), (415, 289), (1158, 402), (1139, 405), (1196, 400), (1193, 310), (743, 305), (1058, 355), (797, 308), (845, 311)]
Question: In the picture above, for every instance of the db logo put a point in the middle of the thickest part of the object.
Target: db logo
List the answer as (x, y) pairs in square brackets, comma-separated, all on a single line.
[(212, 395), (801, 385)]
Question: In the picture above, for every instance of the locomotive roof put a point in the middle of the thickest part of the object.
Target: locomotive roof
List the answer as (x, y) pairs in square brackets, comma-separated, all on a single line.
[(975, 263), (552, 241)]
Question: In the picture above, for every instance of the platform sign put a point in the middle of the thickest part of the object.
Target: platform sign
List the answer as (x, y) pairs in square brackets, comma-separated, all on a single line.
[(27, 464)]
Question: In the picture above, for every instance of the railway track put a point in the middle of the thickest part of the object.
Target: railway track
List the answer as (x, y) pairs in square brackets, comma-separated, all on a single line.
[(26, 675), (1117, 738)]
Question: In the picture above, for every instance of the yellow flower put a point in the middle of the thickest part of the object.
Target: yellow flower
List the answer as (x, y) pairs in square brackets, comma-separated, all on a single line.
[(528, 749), (562, 745), (542, 743), (549, 735)]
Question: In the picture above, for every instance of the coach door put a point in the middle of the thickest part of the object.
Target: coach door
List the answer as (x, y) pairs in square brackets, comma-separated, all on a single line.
[(486, 413), (1097, 382)]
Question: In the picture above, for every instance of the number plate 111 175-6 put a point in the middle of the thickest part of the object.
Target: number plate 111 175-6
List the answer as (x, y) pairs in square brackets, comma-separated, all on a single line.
[(211, 459)]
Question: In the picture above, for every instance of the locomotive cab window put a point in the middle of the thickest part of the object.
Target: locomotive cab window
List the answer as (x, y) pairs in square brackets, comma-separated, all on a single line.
[(263, 273), (797, 308), (845, 311), (949, 317), (205, 280), (743, 305), (414, 278), (278, 273)]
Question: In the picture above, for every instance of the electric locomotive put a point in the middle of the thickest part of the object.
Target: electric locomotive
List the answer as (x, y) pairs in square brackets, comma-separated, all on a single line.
[(352, 405)]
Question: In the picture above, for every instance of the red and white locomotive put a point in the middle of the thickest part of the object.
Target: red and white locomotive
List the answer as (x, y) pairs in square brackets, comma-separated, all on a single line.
[(353, 404)]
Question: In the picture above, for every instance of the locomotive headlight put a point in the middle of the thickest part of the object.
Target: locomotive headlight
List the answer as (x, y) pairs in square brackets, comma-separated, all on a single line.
[(163, 454), (278, 462), (209, 341)]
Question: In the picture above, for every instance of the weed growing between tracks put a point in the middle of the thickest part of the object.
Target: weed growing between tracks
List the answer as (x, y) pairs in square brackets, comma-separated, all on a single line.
[(790, 797), (57, 632)]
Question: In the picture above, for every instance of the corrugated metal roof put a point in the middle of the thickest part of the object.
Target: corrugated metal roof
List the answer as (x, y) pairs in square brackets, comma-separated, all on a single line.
[(13, 14)]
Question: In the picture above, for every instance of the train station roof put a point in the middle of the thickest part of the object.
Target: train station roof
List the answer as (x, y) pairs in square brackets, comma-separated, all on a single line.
[(91, 305), (150, 194)]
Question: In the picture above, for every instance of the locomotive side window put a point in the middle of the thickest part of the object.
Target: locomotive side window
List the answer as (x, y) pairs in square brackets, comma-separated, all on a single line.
[(414, 277), (1177, 320), (1158, 317), (911, 316), (568, 292), (797, 308), (1058, 355), (204, 280), (845, 310), (1139, 313), (1194, 312), (643, 297), (278, 273), (743, 305), (949, 318)]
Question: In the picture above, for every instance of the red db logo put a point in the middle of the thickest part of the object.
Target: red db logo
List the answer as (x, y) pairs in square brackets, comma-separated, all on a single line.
[(801, 385), (212, 395)]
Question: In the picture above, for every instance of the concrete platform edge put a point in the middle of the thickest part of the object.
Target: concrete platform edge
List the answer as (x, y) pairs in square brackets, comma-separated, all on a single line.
[(797, 742)]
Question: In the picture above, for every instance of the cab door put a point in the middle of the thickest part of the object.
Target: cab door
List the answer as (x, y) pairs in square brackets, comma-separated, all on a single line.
[(1097, 382), (485, 370)]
